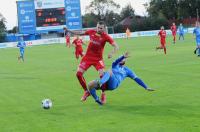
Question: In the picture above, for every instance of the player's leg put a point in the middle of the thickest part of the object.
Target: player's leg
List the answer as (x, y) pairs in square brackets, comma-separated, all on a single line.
[(182, 36), (81, 69), (99, 66), (76, 54), (19, 57), (97, 84), (198, 49), (163, 43), (174, 39), (67, 41), (81, 53), (165, 49), (93, 86), (22, 55), (160, 47)]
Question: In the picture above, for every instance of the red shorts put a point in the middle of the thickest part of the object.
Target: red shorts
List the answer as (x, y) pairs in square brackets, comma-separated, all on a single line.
[(162, 41), (174, 33), (87, 62), (78, 52)]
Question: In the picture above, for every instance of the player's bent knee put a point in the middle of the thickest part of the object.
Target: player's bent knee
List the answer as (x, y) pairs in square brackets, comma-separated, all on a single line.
[(93, 84)]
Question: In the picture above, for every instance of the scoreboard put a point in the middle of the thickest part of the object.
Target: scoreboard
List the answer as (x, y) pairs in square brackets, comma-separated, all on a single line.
[(50, 17), (38, 16)]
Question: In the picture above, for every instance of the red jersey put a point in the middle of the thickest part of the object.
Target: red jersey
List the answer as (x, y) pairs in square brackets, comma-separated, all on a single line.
[(96, 45), (162, 34), (78, 43), (173, 28)]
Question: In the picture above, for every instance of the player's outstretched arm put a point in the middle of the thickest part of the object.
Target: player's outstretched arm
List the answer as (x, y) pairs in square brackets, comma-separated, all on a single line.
[(75, 33), (115, 49), (141, 83), (118, 60)]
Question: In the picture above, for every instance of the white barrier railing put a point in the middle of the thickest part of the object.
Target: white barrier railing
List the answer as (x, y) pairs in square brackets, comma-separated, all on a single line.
[(62, 40)]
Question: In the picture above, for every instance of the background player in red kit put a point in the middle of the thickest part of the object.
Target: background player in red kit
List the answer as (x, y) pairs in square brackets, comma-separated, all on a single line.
[(67, 37), (162, 34), (94, 55), (78, 47), (173, 29)]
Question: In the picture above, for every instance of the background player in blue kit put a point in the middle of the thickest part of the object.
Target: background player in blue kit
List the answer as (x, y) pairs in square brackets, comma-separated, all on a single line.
[(196, 32), (114, 77), (181, 31), (21, 44)]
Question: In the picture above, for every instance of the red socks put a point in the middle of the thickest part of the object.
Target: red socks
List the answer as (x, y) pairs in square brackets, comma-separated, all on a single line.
[(81, 80)]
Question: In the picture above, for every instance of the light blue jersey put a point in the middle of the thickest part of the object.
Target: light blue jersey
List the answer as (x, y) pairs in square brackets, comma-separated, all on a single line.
[(197, 34), (21, 45), (181, 30), (119, 73)]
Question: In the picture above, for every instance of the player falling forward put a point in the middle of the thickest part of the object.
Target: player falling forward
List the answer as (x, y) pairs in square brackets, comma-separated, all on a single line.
[(162, 34), (196, 32), (113, 78), (21, 44), (94, 55), (78, 42), (67, 37), (173, 29)]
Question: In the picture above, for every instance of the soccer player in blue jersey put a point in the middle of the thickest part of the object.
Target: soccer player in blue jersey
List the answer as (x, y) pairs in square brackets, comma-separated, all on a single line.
[(196, 32), (114, 77), (181, 31), (21, 44)]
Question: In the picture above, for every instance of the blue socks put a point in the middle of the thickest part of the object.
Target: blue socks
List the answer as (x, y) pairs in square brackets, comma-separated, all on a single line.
[(94, 95), (198, 51)]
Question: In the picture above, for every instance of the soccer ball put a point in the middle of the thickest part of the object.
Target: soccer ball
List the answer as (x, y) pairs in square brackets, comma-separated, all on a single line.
[(46, 103)]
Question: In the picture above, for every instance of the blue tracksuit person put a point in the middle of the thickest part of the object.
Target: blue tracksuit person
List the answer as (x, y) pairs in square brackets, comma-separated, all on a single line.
[(113, 78), (181, 31), (21, 44)]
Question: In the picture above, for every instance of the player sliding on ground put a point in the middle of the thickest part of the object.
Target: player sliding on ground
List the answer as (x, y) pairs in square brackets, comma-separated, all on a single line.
[(112, 78)]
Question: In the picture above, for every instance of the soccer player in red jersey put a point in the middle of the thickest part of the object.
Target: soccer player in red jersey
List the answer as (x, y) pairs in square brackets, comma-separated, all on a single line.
[(94, 55), (173, 29), (78, 47), (67, 37), (162, 34)]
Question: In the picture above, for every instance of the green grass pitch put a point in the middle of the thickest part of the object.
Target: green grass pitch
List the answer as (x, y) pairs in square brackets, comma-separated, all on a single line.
[(49, 72)]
